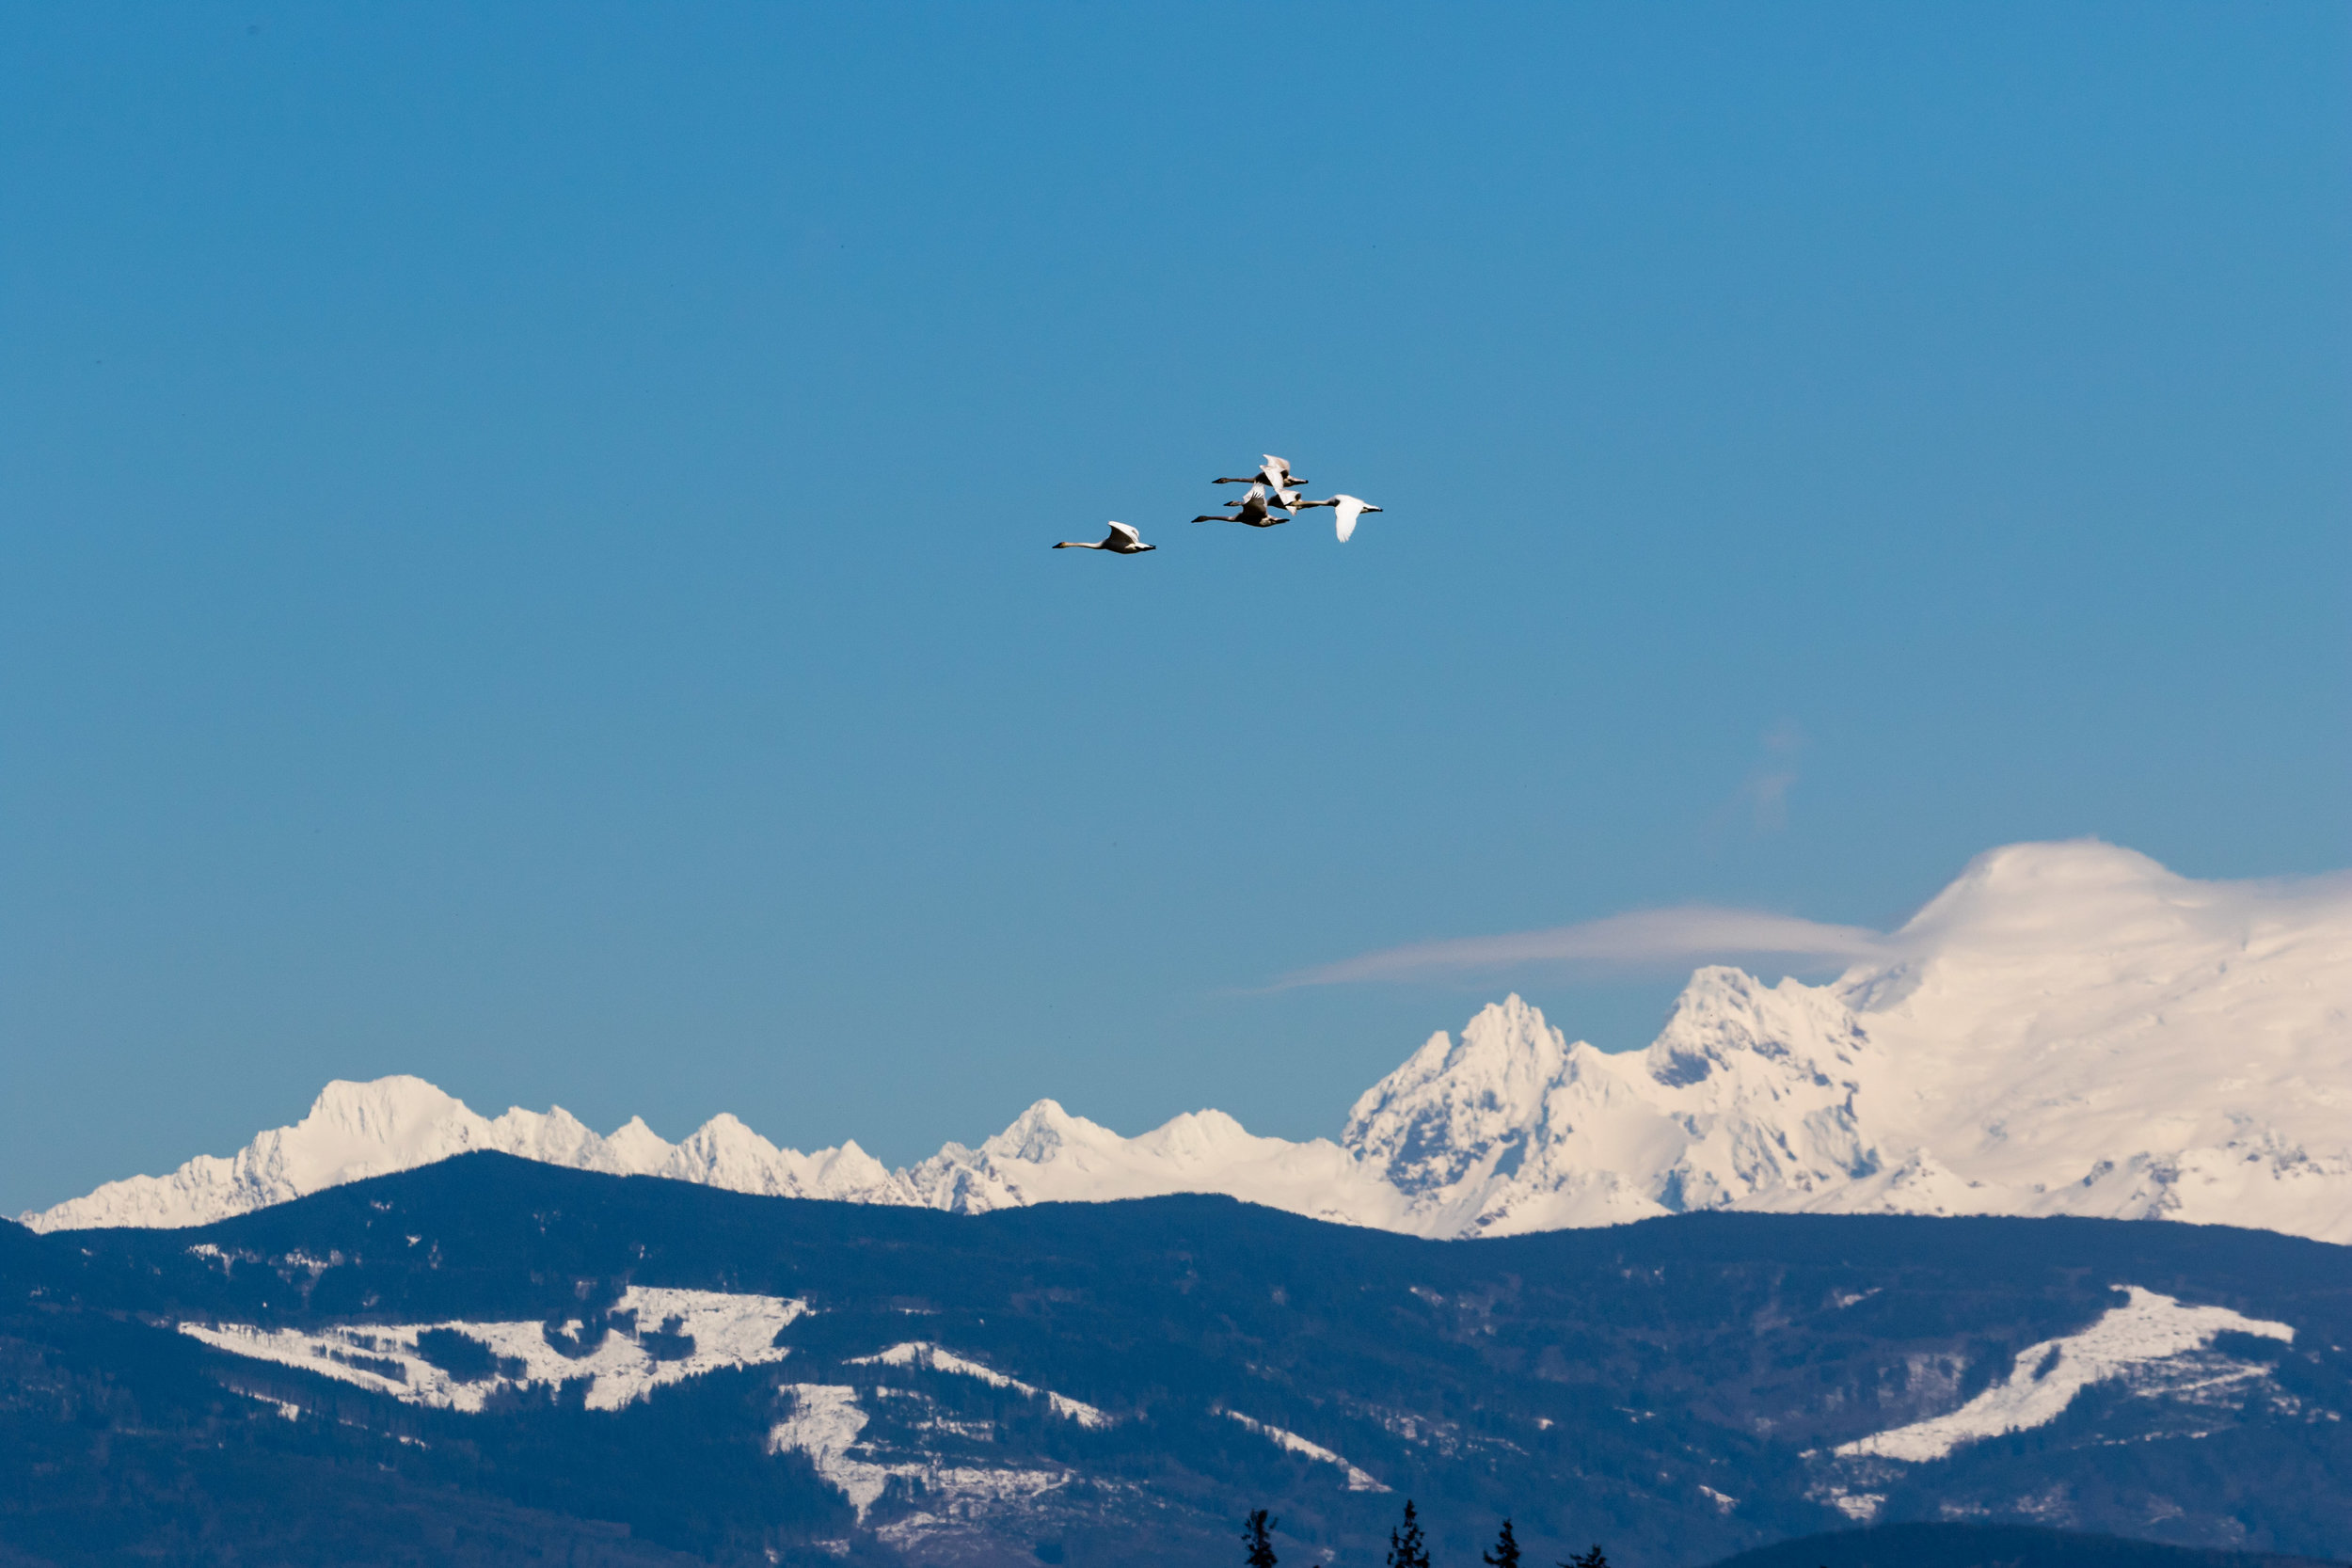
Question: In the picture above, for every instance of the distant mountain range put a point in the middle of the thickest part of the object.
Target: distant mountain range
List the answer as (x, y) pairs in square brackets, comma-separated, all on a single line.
[(2066, 1029), (494, 1361)]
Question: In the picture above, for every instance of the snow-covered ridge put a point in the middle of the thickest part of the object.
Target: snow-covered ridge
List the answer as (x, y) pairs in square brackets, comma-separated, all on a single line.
[(922, 1352), (2068, 1028)]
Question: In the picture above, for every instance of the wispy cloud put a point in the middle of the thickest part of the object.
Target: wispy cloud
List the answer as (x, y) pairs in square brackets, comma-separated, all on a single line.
[(1763, 795), (1688, 933), (1768, 787)]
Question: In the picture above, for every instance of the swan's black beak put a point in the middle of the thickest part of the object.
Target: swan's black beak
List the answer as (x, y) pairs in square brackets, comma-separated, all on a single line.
[(1372, 509)]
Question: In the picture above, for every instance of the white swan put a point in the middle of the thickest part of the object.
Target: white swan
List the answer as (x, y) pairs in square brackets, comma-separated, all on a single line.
[(1124, 540), (1344, 509), (1275, 474), (1253, 512)]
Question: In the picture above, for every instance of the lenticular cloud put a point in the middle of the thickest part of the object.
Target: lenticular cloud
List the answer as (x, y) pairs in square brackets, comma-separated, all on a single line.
[(1684, 934)]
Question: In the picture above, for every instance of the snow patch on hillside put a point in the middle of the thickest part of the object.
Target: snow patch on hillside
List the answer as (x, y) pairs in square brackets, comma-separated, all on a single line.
[(828, 1425), (725, 1331), (1358, 1480), (922, 1352), (825, 1424), (2131, 1344)]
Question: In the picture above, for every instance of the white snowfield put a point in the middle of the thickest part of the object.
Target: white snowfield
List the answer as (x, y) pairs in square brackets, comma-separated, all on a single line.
[(828, 1425), (825, 1423), (922, 1352), (2142, 1343), (1358, 1480), (2069, 1029), (727, 1330)]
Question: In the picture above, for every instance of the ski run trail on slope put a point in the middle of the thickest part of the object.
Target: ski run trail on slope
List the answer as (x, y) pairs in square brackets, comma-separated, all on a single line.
[(727, 1330), (2133, 1343)]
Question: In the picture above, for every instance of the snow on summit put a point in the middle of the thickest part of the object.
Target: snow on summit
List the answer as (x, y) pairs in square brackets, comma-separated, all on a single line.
[(2068, 1028), (355, 1131)]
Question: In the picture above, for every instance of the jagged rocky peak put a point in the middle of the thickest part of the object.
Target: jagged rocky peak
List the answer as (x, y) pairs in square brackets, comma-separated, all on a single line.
[(1040, 1132), (1431, 1121), (636, 1150), (850, 1168), (726, 1153), (1726, 1015)]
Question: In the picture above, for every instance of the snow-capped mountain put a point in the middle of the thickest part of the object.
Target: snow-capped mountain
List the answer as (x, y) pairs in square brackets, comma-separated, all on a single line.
[(2068, 1028), (2071, 1029), (360, 1130), (1050, 1156)]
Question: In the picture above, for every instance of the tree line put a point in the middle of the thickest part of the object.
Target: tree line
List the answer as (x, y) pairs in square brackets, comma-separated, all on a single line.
[(1407, 1549)]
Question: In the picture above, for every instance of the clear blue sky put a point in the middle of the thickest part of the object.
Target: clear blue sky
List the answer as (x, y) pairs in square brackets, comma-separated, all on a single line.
[(523, 530)]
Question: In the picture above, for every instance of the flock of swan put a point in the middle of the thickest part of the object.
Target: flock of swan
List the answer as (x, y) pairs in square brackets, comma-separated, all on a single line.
[(1273, 488)]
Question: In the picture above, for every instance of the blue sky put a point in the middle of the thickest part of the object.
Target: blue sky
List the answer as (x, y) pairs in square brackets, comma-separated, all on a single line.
[(522, 531)]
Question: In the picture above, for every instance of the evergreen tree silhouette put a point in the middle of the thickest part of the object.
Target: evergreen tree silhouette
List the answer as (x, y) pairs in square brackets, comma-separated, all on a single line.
[(1254, 1536), (1404, 1543), (1506, 1552), (1595, 1557)]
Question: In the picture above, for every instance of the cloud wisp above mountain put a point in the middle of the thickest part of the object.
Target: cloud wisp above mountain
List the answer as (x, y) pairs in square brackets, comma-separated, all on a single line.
[(1713, 933), (1643, 939)]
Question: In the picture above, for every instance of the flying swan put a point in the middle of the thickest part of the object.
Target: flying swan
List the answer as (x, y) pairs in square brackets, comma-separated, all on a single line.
[(1124, 540), (1253, 512), (1344, 509), (1275, 474)]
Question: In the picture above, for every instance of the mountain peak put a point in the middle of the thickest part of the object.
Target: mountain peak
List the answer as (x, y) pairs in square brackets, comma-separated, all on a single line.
[(1040, 1132), (2067, 1028), (636, 1150), (395, 1094), (1429, 1122), (2059, 892)]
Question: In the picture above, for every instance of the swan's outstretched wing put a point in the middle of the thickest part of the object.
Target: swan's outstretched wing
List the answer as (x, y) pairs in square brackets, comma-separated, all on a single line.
[(1123, 531), (1345, 510)]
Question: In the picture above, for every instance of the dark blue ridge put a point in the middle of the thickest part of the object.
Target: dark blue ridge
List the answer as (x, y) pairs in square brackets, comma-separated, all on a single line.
[(1671, 1389), (1966, 1545)]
